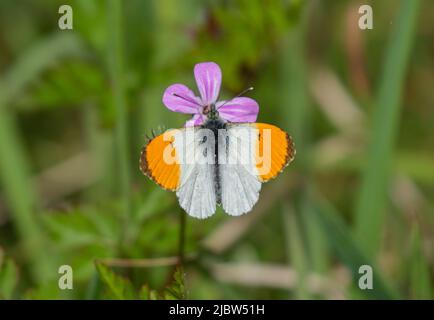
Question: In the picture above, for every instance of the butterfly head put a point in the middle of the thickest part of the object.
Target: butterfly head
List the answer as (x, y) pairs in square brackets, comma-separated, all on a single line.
[(210, 111)]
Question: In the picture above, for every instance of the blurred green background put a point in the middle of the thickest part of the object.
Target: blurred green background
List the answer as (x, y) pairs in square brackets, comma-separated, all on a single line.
[(75, 106)]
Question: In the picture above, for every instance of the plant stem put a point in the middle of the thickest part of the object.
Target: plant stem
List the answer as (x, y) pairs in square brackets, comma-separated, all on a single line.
[(121, 129), (146, 263), (182, 226)]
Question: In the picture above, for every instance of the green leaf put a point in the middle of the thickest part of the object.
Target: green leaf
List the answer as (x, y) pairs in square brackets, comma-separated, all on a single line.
[(117, 286), (83, 226), (8, 278), (72, 229), (176, 290)]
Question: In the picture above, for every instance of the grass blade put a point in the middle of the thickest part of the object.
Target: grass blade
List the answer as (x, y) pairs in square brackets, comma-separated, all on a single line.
[(371, 200), (295, 248), (116, 65), (349, 252), (419, 268)]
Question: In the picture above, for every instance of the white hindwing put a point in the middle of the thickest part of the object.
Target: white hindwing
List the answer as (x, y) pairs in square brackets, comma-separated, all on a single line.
[(196, 192), (239, 182)]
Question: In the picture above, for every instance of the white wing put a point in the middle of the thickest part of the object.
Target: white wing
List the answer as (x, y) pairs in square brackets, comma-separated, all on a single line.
[(239, 181), (197, 191)]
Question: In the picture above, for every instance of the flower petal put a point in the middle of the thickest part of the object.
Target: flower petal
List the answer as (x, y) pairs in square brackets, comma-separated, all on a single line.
[(240, 109), (196, 120), (208, 78), (180, 98)]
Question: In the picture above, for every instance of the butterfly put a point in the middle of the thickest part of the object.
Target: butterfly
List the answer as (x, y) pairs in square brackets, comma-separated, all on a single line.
[(217, 163)]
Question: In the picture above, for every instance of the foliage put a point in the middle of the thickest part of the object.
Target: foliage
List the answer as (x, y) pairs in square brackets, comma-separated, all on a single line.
[(122, 289), (75, 106), (8, 278)]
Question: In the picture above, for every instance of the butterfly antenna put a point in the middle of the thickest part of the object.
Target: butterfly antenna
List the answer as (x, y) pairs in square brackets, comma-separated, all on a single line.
[(238, 95)]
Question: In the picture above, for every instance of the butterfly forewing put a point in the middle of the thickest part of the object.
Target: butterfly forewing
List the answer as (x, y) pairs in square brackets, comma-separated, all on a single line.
[(197, 192), (238, 174)]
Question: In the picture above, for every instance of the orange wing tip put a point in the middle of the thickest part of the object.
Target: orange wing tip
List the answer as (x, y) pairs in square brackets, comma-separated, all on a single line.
[(170, 179), (143, 166), (289, 153)]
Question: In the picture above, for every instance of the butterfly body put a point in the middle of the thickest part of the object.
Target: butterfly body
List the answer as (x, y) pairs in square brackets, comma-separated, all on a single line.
[(215, 125)]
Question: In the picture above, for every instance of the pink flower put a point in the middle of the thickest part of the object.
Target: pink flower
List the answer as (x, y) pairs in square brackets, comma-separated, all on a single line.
[(180, 98)]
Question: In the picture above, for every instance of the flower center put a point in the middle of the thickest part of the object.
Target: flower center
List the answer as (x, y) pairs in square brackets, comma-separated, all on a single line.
[(206, 109)]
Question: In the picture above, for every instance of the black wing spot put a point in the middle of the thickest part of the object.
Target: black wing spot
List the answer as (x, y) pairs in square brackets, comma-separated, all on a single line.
[(204, 139)]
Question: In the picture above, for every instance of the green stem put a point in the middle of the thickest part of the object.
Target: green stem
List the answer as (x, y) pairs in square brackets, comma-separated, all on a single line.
[(182, 227), (121, 128)]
